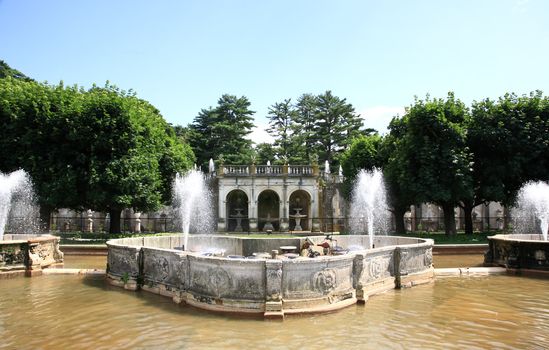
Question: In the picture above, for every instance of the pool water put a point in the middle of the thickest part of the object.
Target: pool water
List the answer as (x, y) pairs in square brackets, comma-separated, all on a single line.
[(72, 312)]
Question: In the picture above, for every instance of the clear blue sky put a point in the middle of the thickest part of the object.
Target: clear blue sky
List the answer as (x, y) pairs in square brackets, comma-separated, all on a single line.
[(182, 55)]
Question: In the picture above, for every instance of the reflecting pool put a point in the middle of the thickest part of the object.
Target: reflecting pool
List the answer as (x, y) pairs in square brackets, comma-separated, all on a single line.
[(497, 312)]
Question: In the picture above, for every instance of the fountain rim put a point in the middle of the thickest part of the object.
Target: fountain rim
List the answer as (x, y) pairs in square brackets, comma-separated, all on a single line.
[(29, 238), (519, 237), (420, 242)]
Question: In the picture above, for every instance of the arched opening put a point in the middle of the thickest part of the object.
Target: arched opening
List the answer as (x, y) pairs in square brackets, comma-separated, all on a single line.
[(300, 211), (237, 211), (268, 204)]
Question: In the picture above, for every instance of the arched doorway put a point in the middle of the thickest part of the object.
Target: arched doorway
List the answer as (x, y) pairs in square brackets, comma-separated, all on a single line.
[(237, 211), (268, 204), (300, 213)]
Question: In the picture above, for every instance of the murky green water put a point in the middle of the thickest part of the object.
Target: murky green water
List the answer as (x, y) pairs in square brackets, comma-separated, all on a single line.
[(70, 312)]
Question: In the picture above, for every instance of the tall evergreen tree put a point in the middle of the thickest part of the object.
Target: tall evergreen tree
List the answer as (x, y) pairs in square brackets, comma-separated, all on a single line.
[(222, 131), (281, 116), (336, 124), (303, 129)]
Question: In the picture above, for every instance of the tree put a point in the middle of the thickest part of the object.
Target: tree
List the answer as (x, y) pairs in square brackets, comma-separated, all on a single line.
[(281, 116), (222, 131), (7, 71), (303, 129), (264, 152), (363, 153), (335, 125), (132, 153), (103, 149), (399, 197), (38, 135), (436, 163), (509, 139)]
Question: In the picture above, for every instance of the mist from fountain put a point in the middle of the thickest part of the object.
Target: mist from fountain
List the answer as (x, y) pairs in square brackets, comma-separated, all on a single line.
[(369, 212), (531, 214), (193, 204), (17, 204)]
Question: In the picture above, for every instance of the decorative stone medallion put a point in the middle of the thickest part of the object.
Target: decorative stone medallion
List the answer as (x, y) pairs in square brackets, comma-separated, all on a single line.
[(375, 268), (218, 280), (161, 268), (324, 281)]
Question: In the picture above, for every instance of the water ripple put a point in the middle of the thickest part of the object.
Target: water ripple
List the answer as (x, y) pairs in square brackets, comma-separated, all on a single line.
[(498, 312)]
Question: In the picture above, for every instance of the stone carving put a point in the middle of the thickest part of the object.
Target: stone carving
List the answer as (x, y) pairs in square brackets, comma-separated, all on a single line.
[(182, 272), (41, 250), (12, 257), (375, 268), (428, 257), (160, 268), (274, 274), (274, 280), (39, 253), (218, 279), (324, 281), (120, 262), (214, 279)]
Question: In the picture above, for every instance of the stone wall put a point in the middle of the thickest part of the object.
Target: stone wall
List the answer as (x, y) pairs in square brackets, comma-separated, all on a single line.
[(28, 254), (272, 287), (519, 252)]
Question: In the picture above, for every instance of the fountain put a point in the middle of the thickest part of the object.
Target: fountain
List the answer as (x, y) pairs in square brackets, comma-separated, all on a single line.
[(527, 249), (238, 216), (23, 251), (369, 211), (298, 216), (251, 277), (532, 211), (192, 204), (11, 185)]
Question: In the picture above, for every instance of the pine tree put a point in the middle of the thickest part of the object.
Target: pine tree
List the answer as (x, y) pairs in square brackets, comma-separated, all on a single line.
[(222, 131), (281, 116), (336, 124)]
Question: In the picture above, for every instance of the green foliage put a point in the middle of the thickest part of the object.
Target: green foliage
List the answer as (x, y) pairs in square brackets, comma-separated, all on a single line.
[(264, 152), (102, 149), (510, 142), (281, 116), (7, 71), (336, 124), (223, 130), (363, 153), (435, 160), (303, 130), (320, 125)]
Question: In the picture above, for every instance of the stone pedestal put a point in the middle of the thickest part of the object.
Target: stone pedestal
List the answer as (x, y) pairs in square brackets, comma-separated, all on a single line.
[(137, 227), (253, 225)]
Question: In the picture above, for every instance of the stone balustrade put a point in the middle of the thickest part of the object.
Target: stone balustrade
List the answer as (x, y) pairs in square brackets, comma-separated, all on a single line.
[(268, 170)]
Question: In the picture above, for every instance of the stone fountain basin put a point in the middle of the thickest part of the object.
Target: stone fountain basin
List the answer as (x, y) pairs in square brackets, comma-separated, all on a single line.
[(28, 254), (272, 287), (525, 252)]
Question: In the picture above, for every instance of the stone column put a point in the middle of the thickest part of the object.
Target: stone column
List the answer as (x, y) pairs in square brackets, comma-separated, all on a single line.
[(273, 289), (221, 211), (137, 227), (89, 221), (358, 267), (252, 213), (283, 206)]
